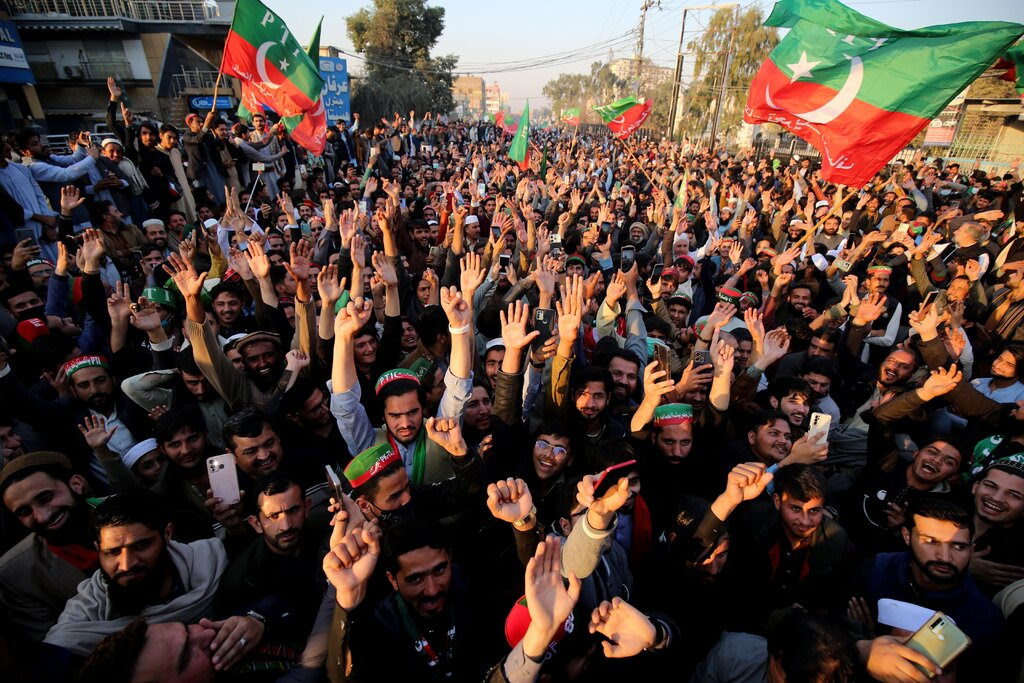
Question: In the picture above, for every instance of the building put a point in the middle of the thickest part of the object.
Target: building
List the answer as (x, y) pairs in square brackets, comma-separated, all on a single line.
[(650, 73), (493, 94), (469, 95), (503, 102), (165, 54)]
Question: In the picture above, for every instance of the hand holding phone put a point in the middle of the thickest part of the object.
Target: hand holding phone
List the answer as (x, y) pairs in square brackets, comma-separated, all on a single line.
[(627, 257), (609, 478), (223, 478)]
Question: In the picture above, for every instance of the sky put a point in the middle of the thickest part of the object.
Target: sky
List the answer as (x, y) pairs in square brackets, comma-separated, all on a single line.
[(495, 40)]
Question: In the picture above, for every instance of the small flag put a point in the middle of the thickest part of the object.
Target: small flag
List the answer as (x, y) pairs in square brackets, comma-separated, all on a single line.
[(624, 116), (520, 148), (544, 161), (499, 119), (859, 90), (571, 116)]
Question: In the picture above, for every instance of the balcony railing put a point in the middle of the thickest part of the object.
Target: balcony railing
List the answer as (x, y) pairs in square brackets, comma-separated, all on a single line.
[(92, 70), (138, 10), (196, 80)]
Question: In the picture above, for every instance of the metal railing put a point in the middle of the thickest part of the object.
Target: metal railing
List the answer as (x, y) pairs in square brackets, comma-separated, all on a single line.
[(197, 80), (139, 10), (90, 70)]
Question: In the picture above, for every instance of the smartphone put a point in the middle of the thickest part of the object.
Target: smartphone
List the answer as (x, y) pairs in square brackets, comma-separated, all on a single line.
[(543, 322), (137, 255), (929, 298), (335, 483), (843, 265), (481, 189), (223, 478), (607, 480), (22, 234), (954, 203), (818, 426), (259, 166), (661, 358), (556, 243), (606, 231), (296, 232), (627, 258), (939, 640), (657, 271), (504, 260), (947, 252), (436, 254), (702, 357)]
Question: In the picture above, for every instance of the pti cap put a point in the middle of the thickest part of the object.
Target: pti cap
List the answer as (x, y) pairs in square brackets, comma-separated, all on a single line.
[(672, 414), (394, 376), (81, 362), (370, 463)]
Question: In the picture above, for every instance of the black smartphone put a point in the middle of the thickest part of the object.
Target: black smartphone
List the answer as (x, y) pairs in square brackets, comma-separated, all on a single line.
[(657, 271), (296, 233), (504, 261), (335, 484), (543, 322), (661, 357), (606, 231), (608, 480), (627, 258), (702, 357), (22, 234), (496, 232)]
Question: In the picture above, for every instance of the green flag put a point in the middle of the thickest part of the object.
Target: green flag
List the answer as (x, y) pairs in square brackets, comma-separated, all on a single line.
[(544, 161), (624, 116), (520, 146)]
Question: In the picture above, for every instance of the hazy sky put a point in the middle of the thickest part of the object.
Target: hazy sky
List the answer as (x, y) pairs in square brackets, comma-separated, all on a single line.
[(565, 36)]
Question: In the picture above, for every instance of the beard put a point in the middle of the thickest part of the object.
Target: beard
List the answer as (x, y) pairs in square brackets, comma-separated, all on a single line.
[(100, 402), (142, 591), (951, 577)]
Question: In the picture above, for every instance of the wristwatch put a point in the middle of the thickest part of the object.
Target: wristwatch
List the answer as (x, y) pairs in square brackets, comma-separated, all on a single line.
[(527, 519)]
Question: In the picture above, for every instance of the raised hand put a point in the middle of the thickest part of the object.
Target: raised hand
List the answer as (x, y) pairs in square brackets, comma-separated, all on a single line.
[(70, 199), (722, 359), (145, 315), (298, 266), (509, 499), (871, 309), (513, 327), (628, 630), (296, 360), (615, 290), (455, 307), (117, 303), (548, 600), (657, 382), (941, 382), (257, 261), (472, 276), (746, 481), (328, 285), (446, 432), (570, 310), (350, 563), (94, 429), (351, 318), (92, 250), (807, 452), (609, 503), (776, 345), (188, 282), (384, 270)]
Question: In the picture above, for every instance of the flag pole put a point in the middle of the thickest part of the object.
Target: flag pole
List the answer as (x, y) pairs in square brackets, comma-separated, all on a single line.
[(831, 212), (632, 156), (259, 174), (572, 145), (216, 87)]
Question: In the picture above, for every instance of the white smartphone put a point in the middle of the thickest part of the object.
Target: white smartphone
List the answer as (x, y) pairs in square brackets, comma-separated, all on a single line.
[(223, 478), (818, 427), (481, 189)]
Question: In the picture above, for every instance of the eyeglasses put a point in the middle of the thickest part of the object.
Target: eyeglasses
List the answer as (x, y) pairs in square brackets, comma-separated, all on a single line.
[(557, 451)]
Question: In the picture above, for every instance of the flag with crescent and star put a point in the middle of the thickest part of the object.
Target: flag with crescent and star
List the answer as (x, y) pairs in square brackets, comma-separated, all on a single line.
[(624, 116), (261, 51), (860, 90), (519, 149), (571, 116), (310, 129)]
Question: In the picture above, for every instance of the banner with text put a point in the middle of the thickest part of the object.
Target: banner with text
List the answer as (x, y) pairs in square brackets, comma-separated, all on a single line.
[(14, 67), (336, 103)]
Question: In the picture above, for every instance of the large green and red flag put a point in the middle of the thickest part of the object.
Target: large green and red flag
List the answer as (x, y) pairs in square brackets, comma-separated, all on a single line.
[(519, 150), (310, 129), (625, 116), (571, 116), (860, 90), (1013, 62), (261, 51)]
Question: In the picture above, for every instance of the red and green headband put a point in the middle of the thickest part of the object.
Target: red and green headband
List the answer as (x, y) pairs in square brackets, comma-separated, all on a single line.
[(394, 376), (370, 463)]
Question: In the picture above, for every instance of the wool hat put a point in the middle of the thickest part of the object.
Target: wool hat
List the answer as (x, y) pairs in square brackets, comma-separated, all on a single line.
[(395, 376), (672, 414), (34, 461), (136, 452), (152, 221), (369, 463), (81, 362), (259, 336)]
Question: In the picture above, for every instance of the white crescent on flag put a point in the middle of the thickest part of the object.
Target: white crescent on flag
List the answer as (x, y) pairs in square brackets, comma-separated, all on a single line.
[(832, 109), (261, 65)]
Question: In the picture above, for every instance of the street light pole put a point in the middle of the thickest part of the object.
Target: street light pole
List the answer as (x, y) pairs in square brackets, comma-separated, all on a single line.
[(721, 92)]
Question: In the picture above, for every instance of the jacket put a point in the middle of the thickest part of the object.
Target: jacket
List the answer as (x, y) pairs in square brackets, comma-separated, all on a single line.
[(35, 584)]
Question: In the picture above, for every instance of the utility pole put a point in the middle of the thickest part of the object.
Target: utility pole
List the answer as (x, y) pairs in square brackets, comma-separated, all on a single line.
[(640, 40), (725, 77), (677, 78)]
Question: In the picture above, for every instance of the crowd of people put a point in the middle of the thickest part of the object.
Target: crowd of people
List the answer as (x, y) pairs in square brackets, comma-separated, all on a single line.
[(411, 410)]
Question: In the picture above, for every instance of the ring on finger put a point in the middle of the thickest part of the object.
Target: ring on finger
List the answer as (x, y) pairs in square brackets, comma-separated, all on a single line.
[(242, 642)]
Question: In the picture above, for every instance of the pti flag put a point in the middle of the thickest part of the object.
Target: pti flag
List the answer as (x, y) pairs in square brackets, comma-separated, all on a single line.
[(250, 104), (519, 150), (261, 51), (1013, 62), (571, 116), (624, 116), (860, 90), (310, 129)]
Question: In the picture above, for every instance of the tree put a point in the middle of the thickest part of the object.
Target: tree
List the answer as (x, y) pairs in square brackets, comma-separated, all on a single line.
[(749, 47), (662, 96), (396, 37), (600, 86)]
